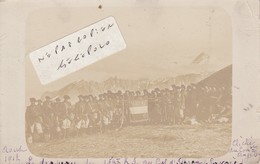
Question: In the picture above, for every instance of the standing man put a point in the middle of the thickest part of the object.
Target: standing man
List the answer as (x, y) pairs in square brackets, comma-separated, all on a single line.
[(80, 107), (48, 118), (65, 117), (32, 121)]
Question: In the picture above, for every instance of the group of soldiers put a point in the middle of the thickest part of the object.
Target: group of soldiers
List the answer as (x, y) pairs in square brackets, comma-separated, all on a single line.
[(54, 118)]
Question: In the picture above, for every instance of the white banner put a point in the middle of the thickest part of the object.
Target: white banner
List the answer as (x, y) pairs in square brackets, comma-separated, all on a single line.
[(139, 110)]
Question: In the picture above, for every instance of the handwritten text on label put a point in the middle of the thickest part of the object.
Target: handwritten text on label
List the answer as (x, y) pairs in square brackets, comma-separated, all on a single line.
[(77, 50)]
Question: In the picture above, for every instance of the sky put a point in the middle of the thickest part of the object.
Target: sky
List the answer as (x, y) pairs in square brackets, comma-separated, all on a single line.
[(160, 41)]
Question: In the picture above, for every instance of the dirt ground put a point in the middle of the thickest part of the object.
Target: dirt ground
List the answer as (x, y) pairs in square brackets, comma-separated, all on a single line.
[(141, 141)]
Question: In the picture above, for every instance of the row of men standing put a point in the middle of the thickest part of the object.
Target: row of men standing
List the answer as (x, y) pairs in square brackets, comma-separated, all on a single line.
[(111, 110)]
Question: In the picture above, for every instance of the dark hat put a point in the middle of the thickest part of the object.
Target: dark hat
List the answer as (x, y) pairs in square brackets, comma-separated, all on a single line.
[(32, 99), (80, 96), (66, 97), (192, 84), (90, 97), (173, 86), (47, 98), (145, 91), (127, 93)]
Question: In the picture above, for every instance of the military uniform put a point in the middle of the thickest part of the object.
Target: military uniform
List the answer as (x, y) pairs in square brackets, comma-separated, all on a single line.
[(34, 126)]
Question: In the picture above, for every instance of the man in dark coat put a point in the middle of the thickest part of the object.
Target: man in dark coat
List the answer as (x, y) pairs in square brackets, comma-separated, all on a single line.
[(34, 127)]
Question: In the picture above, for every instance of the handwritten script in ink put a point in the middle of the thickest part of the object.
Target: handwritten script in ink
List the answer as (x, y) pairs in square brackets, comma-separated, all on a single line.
[(12, 154), (245, 149), (77, 50), (113, 160)]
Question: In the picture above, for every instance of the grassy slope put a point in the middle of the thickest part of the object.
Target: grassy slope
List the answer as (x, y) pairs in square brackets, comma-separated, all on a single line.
[(143, 141)]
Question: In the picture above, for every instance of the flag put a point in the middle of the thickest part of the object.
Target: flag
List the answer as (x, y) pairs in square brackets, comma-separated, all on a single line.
[(139, 111)]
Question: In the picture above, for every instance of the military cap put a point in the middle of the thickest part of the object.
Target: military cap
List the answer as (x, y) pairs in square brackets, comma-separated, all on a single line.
[(80, 96), (66, 97), (47, 98), (173, 86), (32, 99)]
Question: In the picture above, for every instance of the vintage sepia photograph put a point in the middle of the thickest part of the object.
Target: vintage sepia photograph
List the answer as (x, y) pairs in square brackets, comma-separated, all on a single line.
[(167, 94)]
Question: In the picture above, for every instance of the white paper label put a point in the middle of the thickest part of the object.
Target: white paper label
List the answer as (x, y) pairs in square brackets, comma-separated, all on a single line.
[(77, 50)]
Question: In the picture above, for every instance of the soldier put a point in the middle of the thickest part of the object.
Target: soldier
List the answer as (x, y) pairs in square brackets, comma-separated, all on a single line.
[(171, 102), (80, 111), (86, 114), (42, 118), (86, 104), (33, 124), (80, 107), (46, 114), (57, 117), (58, 108), (126, 107), (94, 114), (67, 105), (151, 107), (138, 95), (65, 118), (104, 112), (47, 107), (168, 106), (50, 122), (189, 103), (174, 95), (111, 108), (179, 106), (163, 102), (194, 100), (118, 111), (40, 109), (157, 106), (161, 106)]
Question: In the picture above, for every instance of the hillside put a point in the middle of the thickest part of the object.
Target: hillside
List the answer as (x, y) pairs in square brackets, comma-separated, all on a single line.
[(114, 84)]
